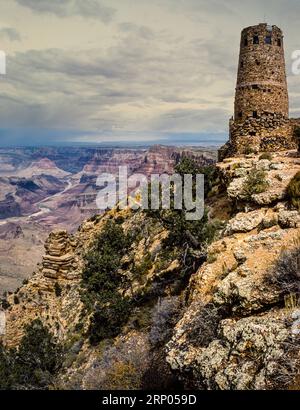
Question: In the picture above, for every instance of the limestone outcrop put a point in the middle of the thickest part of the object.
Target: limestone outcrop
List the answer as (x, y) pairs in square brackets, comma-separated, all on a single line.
[(237, 331), (278, 172), (59, 260)]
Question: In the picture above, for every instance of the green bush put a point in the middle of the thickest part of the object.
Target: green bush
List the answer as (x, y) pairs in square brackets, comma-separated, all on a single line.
[(266, 155), (255, 183), (182, 231), (107, 321), (4, 303), (293, 191), (101, 280), (142, 268), (297, 135), (103, 260), (34, 363), (189, 166), (5, 369), (248, 150)]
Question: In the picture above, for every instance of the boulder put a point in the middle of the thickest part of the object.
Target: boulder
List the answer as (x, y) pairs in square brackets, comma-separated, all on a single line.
[(289, 219), (244, 222)]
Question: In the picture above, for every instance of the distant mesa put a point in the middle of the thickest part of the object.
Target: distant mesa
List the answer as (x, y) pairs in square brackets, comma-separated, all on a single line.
[(42, 166)]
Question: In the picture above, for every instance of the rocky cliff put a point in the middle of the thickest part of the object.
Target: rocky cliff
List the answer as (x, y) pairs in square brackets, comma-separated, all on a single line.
[(238, 331), (216, 313)]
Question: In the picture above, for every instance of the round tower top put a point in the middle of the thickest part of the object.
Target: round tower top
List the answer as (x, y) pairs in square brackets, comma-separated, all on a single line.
[(261, 82), (262, 33)]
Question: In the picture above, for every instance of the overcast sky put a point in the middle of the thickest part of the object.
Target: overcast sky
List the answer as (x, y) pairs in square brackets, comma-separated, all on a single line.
[(110, 70)]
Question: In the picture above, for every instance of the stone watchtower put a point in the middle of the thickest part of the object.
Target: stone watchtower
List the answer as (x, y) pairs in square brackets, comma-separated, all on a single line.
[(261, 107)]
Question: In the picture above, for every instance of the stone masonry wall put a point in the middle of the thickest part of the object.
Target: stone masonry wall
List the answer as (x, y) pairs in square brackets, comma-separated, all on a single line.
[(261, 109), (270, 132), (261, 80)]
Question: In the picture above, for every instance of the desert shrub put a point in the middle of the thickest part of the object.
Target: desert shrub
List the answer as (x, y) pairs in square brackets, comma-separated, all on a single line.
[(285, 276), (121, 366), (103, 260), (140, 269), (164, 317), (5, 303), (39, 356), (36, 361), (182, 231), (194, 233), (205, 324), (286, 374), (293, 191), (248, 150), (6, 362), (266, 155), (122, 376), (57, 289), (140, 317), (107, 320), (94, 218), (189, 166), (101, 281), (211, 258), (189, 239), (297, 135), (255, 183)]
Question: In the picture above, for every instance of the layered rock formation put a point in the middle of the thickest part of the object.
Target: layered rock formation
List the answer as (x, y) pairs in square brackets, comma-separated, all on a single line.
[(59, 260)]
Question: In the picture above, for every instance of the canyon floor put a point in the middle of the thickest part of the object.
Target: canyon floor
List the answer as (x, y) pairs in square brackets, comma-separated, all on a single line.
[(47, 188)]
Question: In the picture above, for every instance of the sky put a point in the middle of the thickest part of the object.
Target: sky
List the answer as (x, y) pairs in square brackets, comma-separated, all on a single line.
[(109, 71)]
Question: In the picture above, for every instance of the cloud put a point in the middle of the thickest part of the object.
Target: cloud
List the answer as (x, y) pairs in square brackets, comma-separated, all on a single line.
[(188, 120), (132, 85), (162, 67), (11, 33), (147, 80), (67, 8)]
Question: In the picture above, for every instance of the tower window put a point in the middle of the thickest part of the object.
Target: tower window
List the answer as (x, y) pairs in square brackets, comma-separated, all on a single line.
[(255, 114), (268, 40), (257, 62), (252, 133), (279, 42), (255, 40), (245, 42), (255, 87), (240, 114), (242, 64)]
